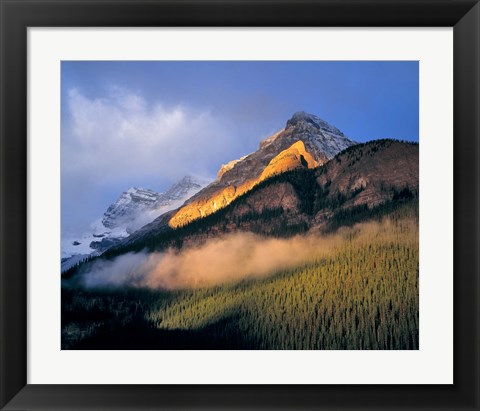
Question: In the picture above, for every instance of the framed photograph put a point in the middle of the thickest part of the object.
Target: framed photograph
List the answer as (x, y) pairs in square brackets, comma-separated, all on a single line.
[(239, 205)]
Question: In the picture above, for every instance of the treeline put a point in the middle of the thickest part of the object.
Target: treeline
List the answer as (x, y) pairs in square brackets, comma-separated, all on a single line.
[(354, 153), (362, 295), (395, 209)]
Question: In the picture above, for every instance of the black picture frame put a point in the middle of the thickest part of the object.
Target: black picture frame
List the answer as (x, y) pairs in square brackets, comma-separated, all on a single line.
[(17, 15)]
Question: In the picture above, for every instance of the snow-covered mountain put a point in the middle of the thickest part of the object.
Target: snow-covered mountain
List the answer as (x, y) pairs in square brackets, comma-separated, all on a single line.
[(138, 206), (132, 210), (128, 206)]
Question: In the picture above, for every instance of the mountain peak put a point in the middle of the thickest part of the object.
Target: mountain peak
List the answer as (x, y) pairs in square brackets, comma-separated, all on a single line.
[(138, 206), (305, 136), (187, 180), (301, 116), (186, 185), (306, 119)]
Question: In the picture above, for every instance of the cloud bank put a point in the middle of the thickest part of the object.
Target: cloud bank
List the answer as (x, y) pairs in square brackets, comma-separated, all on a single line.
[(227, 259), (235, 257)]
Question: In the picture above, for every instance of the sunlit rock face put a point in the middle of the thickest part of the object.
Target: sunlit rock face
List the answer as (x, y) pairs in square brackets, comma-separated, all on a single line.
[(293, 157), (289, 159), (306, 141), (228, 166)]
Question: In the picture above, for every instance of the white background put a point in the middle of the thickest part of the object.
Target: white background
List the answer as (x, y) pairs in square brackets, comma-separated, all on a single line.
[(432, 364)]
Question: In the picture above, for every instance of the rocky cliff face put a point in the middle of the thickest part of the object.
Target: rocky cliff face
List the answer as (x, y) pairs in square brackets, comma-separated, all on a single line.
[(305, 136), (293, 157), (320, 138)]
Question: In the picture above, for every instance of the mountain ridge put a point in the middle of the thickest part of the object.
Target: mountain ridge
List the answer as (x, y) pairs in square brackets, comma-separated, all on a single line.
[(357, 180)]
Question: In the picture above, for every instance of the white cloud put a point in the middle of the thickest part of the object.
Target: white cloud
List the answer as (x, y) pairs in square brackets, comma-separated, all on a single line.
[(115, 136)]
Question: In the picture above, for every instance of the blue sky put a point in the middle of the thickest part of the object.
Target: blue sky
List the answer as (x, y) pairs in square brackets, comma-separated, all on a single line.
[(147, 124)]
